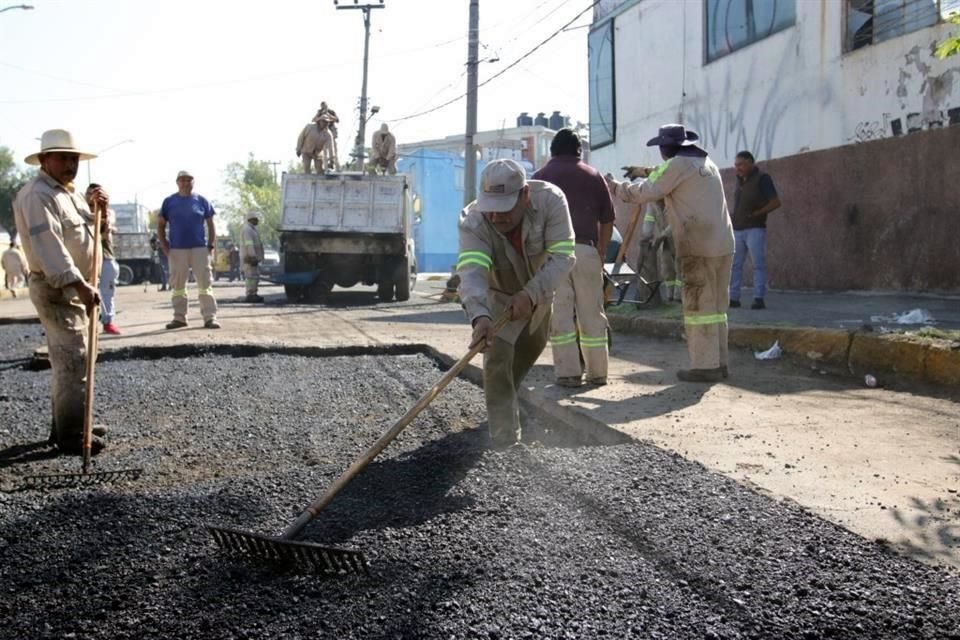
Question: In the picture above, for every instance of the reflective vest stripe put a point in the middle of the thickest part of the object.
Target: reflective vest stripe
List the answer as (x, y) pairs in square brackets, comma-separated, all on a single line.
[(564, 247), (656, 173), (701, 319), (474, 257)]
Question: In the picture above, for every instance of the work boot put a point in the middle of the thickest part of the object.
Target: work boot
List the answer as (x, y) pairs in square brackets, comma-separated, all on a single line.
[(211, 324), (571, 382), (176, 324), (734, 304), (599, 381), (75, 447), (758, 304), (111, 328), (700, 375), (254, 298)]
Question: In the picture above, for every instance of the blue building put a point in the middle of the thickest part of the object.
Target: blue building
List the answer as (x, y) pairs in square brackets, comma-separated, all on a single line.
[(436, 183)]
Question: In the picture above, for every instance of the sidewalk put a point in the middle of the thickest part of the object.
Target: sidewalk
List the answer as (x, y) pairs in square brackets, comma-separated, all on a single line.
[(856, 332)]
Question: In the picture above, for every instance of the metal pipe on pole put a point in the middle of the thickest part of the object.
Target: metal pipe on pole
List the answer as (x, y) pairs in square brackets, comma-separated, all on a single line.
[(469, 151)]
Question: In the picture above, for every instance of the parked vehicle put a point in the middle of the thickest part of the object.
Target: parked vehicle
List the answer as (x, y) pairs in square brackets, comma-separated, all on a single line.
[(270, 266), (131, 243), (343, 229)]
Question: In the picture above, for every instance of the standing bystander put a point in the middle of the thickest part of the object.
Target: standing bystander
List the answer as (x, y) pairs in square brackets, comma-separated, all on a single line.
[(755, 198), (188, 215), (251, 253), (109, 272), (578, 323), (14, 265)]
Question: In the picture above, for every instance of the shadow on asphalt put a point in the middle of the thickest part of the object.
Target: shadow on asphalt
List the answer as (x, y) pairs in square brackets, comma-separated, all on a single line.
[(26, 453)]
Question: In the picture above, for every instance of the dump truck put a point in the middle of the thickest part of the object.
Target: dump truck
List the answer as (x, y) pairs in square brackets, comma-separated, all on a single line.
[(345, 229), (131, 243)]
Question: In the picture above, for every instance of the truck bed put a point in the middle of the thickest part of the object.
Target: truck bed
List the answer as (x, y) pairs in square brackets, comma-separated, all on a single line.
[(343, 203)]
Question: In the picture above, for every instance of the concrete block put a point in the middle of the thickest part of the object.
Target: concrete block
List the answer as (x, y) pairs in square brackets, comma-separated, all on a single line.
[(942, 364), (870, 353)]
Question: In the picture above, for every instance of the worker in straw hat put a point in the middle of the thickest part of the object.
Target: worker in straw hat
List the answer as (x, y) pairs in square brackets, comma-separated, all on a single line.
[(53, 222), (251, 255)]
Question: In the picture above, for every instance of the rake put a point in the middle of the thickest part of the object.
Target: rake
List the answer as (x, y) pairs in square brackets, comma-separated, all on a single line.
[(285, 552), (615, 280), (85, 478)]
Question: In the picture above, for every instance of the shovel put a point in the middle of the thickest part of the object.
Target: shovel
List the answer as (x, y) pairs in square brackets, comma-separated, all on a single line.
[(285, 551), (85, 478)]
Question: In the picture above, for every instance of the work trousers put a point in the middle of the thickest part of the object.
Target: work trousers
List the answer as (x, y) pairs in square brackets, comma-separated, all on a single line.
[(504, 367), (12, 282), (64, 321), (669, 273), (251, 273), (181, 262), (315, 160), (108, 289), (578, 317), (753, 243), (705, 306)]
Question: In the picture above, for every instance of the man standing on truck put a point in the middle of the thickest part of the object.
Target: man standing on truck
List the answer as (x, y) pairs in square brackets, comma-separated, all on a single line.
[(311, 144), (384, 156), (109, 270), (188, 215), (516, 247), (251, 254), (331, 117)]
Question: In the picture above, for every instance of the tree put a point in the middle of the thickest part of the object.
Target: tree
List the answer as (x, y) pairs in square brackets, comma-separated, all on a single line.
[(950, 46), (253, 187), (11, 180)]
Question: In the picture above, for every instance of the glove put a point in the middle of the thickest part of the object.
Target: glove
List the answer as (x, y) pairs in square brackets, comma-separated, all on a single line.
[(630, 172)]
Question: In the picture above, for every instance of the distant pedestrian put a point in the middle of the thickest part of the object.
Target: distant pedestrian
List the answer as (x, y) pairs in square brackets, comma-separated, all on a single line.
[(160, 263), (188, 215), (14, 265), (54, 224), (578, 324), (251, 254), (755, 198), (690, 184), (516, 247), (109, 269), (233, 258)]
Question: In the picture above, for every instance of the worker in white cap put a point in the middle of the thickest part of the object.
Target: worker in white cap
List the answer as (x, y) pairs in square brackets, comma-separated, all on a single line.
[(516, 247), (251, 255)]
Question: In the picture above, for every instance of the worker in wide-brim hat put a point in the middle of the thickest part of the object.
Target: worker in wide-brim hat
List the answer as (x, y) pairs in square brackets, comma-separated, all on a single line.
[(54, 224), (689, 182)]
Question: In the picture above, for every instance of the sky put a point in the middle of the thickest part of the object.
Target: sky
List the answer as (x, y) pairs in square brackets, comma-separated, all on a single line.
[(197, 84)]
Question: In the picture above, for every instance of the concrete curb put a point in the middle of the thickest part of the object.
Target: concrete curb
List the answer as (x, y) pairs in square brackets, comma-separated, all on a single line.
[(856, 352)]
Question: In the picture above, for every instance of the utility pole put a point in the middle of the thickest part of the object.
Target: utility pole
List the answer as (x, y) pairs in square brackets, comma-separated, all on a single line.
[(469, 153), (274, 164), (360, 150)]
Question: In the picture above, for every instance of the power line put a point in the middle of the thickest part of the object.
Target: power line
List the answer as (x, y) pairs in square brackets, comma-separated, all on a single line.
[(502, 71)]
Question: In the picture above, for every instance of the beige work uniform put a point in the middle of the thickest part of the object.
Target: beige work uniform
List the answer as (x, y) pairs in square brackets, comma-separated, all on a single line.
[(703, 240), (384, 146), (53, 223), (312, 144), (181, 262), (251, 255), (578, 324), (665, 254), (14, 265), (491, 272)]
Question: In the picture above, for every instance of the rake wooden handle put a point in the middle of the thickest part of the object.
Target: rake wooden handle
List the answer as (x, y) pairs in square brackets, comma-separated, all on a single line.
[(314, 509), (621, 254), (92, 342)]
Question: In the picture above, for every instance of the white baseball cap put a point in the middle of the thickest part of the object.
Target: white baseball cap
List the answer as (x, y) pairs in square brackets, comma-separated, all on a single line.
[(184, 174), (500, 185)]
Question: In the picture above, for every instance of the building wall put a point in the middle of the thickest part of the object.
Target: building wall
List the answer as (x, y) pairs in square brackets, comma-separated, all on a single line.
[(880, 215), (792, 92)]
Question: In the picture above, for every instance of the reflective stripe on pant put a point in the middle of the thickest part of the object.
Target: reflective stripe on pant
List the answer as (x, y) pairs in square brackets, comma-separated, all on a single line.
[(668, 271), (181, 262), (108, 289), (65, 323), (504, 367), (578, 311), (705, 309), (752, 242), (252, 275)]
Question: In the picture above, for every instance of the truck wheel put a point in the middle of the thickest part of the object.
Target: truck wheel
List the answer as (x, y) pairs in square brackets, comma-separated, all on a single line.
[(385, 291), (294, 292), (125, 275), (402, 279), (319, 290)]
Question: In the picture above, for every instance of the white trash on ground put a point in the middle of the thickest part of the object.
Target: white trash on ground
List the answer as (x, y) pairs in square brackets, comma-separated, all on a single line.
[(914, 316), (772, 353)]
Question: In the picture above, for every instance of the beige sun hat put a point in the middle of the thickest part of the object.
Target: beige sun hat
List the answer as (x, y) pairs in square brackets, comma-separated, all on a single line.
[(54, 140)]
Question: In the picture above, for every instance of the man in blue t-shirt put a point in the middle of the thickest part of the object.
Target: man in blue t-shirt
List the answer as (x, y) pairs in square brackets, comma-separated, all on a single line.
[(190, 246)]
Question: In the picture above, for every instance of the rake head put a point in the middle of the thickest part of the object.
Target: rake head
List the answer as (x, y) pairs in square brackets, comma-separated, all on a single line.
[(77, 480), (289, 555)]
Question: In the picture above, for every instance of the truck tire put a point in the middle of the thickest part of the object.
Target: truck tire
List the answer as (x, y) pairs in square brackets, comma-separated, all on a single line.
[(125, 275), (385, 291), (319, 289), (294, 292), (402, 279)]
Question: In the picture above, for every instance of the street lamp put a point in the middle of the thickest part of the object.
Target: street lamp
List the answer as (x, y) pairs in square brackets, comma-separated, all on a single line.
[(25, 7), (116, 144)]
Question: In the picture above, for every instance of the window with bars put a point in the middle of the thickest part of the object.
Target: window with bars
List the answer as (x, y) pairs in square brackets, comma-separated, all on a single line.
[(734, 24), (873, 21)]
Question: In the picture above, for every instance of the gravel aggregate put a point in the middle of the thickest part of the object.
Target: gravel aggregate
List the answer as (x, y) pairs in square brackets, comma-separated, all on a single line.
[(553, 539)]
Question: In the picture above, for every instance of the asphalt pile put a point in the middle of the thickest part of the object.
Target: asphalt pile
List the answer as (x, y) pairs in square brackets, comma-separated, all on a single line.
[(546, 540)]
